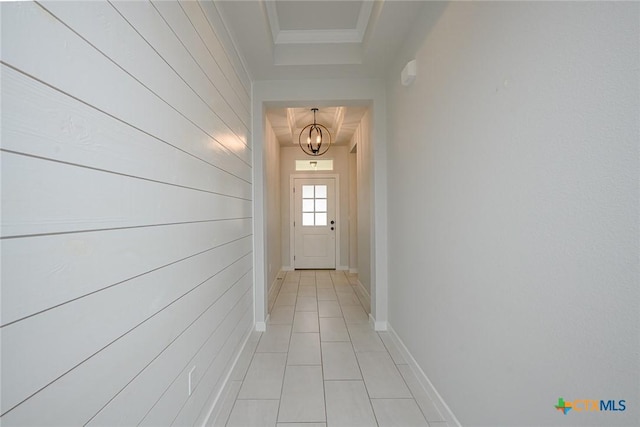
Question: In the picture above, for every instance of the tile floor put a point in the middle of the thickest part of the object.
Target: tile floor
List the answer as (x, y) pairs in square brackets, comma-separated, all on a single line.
[(321, 364)]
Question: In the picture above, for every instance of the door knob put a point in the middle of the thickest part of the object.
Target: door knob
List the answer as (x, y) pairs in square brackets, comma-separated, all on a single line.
[(333, 222), (332, 228)]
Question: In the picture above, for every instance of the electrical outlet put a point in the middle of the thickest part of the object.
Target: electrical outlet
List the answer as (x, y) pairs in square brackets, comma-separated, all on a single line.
[(192, 380)]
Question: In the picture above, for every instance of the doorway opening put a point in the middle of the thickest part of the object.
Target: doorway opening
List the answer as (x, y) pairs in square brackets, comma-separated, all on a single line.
[(362, 221)]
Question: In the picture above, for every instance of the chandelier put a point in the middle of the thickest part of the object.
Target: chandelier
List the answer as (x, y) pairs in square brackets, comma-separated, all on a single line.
[(317, 138)]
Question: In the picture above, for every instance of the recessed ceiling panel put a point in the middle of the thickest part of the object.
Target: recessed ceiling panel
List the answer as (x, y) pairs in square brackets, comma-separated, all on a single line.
[(288, 122), (280, 47), (321, 54), (318, 15)]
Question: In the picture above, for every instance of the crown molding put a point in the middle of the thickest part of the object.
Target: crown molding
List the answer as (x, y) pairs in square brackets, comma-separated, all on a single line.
[(272, 16)]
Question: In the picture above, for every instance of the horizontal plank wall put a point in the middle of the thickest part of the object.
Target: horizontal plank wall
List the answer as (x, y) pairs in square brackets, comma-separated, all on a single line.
[(126, 233)]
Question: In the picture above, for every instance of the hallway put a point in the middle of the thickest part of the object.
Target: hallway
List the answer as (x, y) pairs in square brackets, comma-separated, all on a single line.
[(321, 361), (485, 162)]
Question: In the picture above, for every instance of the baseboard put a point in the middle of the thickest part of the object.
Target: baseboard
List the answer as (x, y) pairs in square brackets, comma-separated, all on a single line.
[(426, 384), (353, 270), (274, 289), (213, 411), (262, 326), (363, 289), (377, 325), (342, 268), (380, 326), (363, 295), (287, 268)]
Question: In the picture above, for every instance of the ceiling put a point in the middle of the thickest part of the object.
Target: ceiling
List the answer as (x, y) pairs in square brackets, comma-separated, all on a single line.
[(287, 123), (311, 39)]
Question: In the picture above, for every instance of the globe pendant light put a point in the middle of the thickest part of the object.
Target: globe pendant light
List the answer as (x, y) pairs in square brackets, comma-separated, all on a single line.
[(317, 138)]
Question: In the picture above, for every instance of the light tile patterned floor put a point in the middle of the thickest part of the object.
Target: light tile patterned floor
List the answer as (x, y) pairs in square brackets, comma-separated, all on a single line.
[(321, 364)]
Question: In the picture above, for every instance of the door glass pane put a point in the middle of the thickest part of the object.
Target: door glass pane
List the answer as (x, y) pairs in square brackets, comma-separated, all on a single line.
[(321, 218), (307, 205), (307, 219), (314, 205), (321, 205), (307, 191)]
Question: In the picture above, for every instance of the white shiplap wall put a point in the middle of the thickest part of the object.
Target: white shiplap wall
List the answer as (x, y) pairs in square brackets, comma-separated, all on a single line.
[(126, 212)]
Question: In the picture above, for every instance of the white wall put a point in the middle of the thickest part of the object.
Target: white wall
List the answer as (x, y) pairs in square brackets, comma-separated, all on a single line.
[(274, 217), (288, 157), (353, 212), (126, 212), (362, 140), (513, 208)]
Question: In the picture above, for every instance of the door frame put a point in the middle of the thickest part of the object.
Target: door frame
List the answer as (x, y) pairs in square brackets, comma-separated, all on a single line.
[(322, 93), (292, 202)]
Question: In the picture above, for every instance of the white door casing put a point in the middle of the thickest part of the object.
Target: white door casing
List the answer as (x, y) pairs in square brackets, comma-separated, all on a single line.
[(314, 223), (369, 92)]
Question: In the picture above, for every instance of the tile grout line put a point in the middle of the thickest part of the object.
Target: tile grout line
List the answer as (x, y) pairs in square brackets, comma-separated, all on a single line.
[(326, 413), (226, 422), (405, 381), (324, 388), (286, 360), (362, 375), (359, 368)]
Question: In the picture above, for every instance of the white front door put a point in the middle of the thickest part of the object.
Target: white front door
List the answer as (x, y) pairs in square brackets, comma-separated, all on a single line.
[(314, 223)]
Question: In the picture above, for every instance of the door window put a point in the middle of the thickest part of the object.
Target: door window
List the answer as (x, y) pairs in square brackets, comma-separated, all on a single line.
[(314, 205)]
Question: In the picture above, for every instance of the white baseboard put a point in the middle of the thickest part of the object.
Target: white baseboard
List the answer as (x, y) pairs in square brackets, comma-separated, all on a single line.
[(275, 288), (353, 270), (262, 326), (363, 295), (342, 268), (287, 268), (380, 326), (377, 325), (363, 289), (426, 384), (213, 411)]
